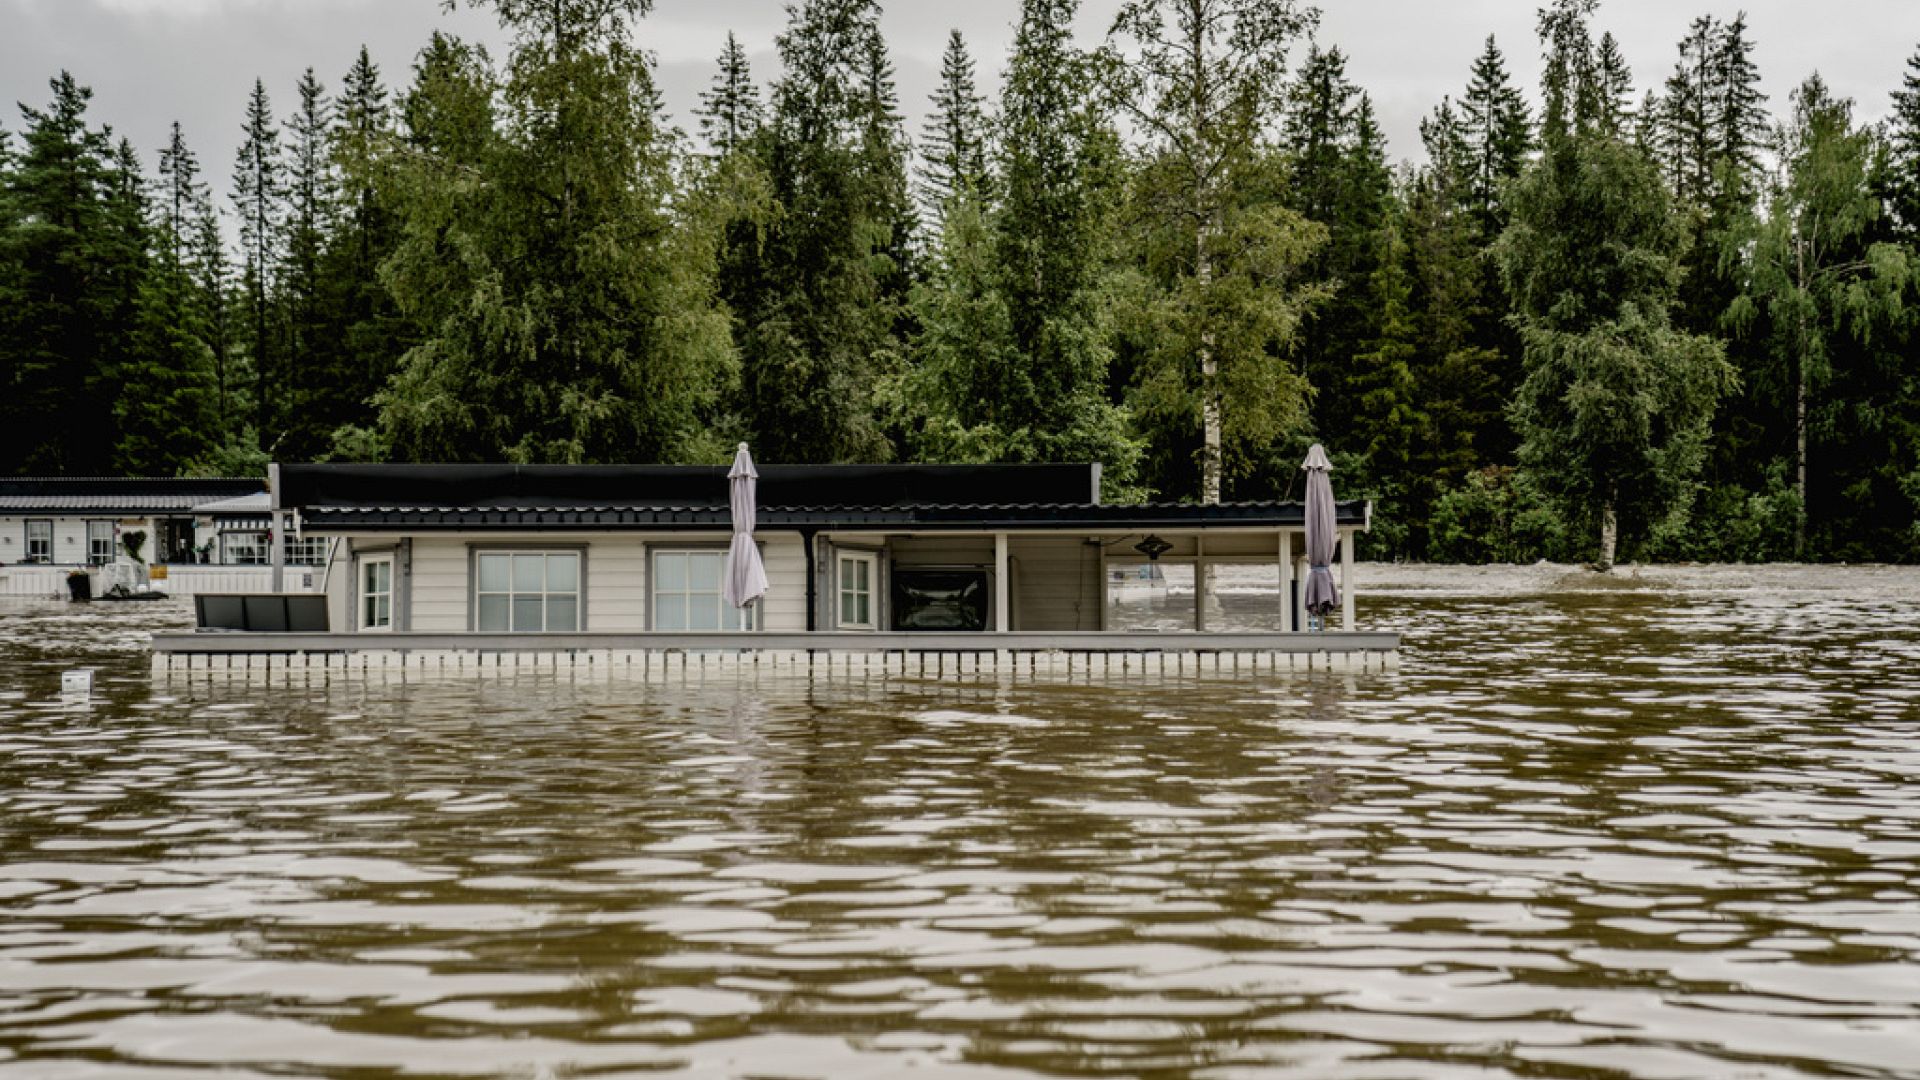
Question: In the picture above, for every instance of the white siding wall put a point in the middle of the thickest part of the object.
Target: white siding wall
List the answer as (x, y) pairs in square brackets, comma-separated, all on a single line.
[(616, 567), (1056, 583), (437, 586), (786, 602), (616, 584), (69, 537)]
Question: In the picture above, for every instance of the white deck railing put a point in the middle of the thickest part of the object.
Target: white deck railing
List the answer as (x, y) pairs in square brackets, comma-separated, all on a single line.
[(51, 581)]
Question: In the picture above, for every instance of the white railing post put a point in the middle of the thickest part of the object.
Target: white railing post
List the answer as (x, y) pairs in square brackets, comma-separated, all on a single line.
[(1002, 590), (1346, 580), (1287, 624)]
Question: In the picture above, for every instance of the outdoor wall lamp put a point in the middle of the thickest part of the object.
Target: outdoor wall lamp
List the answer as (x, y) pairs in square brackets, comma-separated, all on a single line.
[(1153, 547)]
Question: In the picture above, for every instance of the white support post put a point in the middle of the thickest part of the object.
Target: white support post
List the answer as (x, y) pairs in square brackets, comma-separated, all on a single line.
[(1287, 623), (1300, 594), (1200, 582), (1002, 591), (277, 542), (1346, 580)]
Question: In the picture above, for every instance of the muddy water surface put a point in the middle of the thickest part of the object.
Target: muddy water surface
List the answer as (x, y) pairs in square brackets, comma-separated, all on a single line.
[(1664, 826)]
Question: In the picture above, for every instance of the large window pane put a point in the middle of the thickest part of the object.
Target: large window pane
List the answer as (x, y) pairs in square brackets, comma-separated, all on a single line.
[(669, 611), (529, 573), (493, 614), (563, 573), (670, 572), (563, 612), (703, 571), (527, 614), (496, 573)]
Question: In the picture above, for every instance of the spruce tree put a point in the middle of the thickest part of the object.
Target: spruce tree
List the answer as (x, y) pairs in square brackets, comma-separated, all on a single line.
[(314, 405), (729, 110), (259, 200), (1903, 131), (953, 142), (1614, 88), (818, 324), (57, 303), (159, 380), (1498, 130), (372, 335)]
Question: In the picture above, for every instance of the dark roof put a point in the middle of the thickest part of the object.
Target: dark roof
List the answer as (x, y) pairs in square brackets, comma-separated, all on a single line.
[(655, 486), (425, 498), (903, 516), (117, 494)]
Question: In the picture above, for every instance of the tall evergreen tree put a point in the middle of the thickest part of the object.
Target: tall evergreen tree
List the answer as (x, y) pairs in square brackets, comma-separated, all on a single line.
[(953, 142), (1199, 80), (1614, 88), (729, 110), (372, 335), (819, 322), (160, 381), (577, 323), (57, 306), (314, 331), (1016, 335), (1498, 130), (1903, 131), (259, 200)]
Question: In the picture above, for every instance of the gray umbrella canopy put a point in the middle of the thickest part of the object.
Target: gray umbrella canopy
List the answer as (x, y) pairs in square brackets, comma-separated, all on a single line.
[(746, 578), (1321, 595)]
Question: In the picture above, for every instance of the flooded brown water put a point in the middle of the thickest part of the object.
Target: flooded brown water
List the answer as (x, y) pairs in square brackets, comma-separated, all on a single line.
[(1665, 826)]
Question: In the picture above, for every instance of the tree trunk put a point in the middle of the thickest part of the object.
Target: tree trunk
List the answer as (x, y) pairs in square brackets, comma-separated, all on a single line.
[(1800, 451), (1210, 455), (1609, 534)]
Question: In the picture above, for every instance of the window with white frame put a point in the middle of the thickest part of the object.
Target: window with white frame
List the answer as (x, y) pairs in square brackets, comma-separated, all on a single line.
[(244, 548), (376, 593), (306, 551), (39, 541), (859, 570), (686, 592), (99, 542), (526, 592)]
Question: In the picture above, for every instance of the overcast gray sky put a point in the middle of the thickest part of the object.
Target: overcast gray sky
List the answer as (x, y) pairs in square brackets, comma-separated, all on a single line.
[(151, 62)]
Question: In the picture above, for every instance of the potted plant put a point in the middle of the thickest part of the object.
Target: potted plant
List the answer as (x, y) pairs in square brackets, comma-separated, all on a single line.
[(79, 585)]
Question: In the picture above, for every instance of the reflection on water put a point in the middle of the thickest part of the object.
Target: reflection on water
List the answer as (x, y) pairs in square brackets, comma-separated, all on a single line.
[(1656, 828)]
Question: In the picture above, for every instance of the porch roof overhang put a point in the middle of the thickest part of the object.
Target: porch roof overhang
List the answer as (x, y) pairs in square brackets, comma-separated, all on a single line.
[(116, 496), (1011, 517)]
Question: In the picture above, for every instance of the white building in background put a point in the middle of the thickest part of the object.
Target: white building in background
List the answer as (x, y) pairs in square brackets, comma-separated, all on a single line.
[(195, 535)]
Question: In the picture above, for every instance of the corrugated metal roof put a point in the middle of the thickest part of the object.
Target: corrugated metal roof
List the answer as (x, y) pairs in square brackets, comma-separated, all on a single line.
[(111, 501), (940, 516), (20, 495)]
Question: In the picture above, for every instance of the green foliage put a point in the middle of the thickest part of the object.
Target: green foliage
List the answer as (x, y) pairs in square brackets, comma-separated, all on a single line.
[(1181, 255), (1616, 408), (817, 315), (568, 318), (1222, 258), (1498, 515)]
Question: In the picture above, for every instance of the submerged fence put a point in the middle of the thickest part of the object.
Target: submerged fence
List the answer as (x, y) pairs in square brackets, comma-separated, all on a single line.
[(694, 656)]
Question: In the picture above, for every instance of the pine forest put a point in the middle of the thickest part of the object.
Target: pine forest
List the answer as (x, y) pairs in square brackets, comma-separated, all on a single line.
[(1594, 322)]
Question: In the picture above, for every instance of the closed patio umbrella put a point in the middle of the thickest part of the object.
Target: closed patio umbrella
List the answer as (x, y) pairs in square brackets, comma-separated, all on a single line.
[(1321, 595), (746, 579)]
